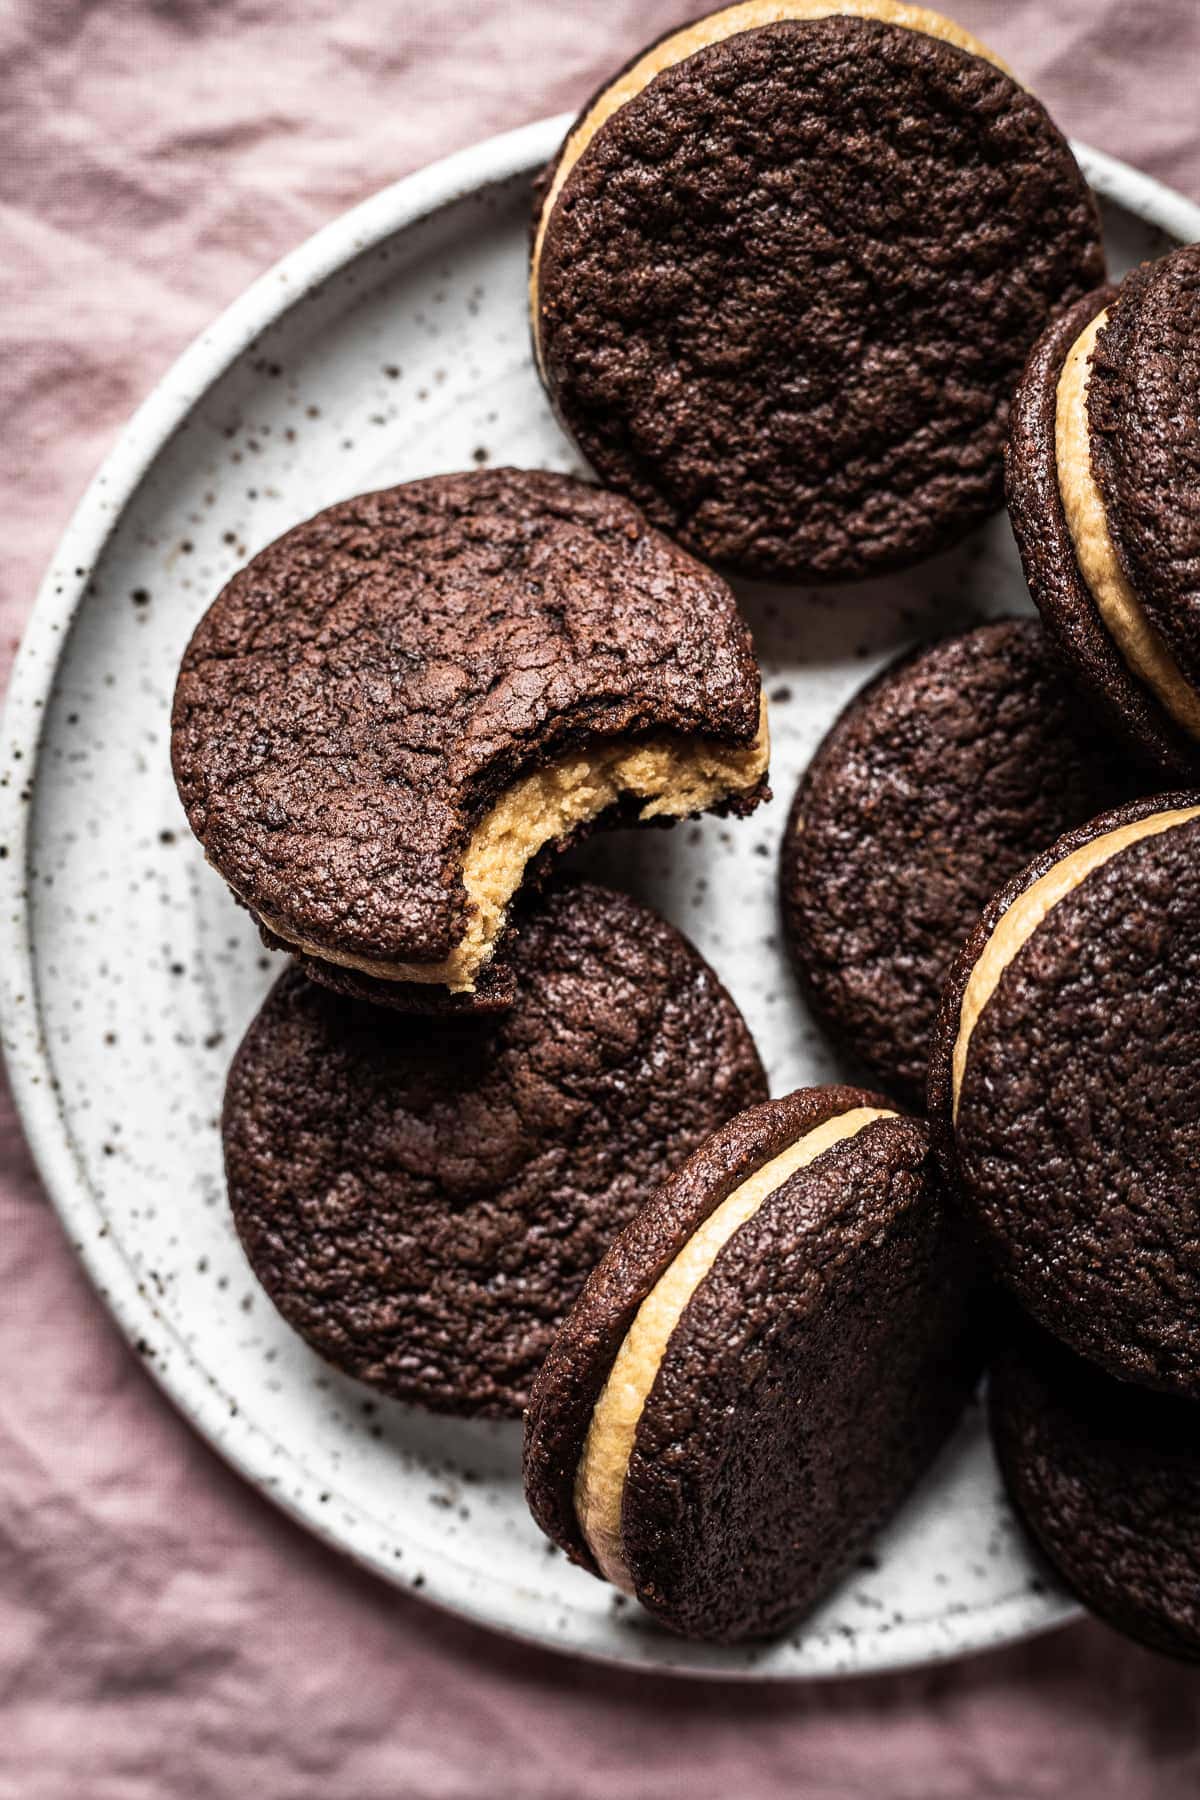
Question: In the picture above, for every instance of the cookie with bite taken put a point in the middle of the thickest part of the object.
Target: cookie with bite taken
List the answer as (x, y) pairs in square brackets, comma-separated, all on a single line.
[(398, 712)]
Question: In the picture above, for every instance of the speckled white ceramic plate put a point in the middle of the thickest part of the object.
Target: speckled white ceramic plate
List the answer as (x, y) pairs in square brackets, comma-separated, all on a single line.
[(394, 344)]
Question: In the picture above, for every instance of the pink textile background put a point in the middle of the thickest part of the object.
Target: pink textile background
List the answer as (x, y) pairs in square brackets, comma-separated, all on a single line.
[(163, 1631)]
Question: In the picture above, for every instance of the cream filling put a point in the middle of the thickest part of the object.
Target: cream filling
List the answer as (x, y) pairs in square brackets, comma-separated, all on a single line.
[(1028, 911), (749, 15), (600, 1477), (1125, 619), (672, 775)]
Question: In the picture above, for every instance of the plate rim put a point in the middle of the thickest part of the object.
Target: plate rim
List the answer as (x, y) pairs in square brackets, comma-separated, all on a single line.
[(393, 209)]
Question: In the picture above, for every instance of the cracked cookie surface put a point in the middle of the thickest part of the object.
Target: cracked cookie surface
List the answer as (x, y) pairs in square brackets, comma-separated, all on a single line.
[(938, 782), (1065, 1090), (784, 295), (1107, 1479), (363, 698), (422, 1200)]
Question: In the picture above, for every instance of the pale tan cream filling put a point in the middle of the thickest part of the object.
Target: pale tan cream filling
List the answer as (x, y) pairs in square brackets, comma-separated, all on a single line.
[(1028, 911), (674, 776), (1125, 619), (749, 15), (600, 1477)]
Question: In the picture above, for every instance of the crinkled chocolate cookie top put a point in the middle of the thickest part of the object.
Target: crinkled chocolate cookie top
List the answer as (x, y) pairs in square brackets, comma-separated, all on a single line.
[(1065, 1089), (807, 1381), (422, 1199), (360, 695), (937, 783), (1107, 1479), (785, 293)]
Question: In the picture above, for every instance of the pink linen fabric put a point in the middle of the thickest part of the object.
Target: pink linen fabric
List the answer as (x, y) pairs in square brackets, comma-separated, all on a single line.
[(163, 1631)]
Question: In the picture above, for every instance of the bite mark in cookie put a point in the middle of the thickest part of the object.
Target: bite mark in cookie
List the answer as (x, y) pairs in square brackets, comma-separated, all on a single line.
[(669, 776), (401, 704)]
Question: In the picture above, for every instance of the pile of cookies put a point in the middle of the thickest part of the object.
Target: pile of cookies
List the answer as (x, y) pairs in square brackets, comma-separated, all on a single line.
[(499, 1142)]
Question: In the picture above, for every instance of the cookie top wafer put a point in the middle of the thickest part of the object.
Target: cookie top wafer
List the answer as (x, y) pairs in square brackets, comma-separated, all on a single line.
[(759, 1369), (939, 780), (1065, 1089), (422, 1200), (1107, 1480), (786, 270), (396, 708)]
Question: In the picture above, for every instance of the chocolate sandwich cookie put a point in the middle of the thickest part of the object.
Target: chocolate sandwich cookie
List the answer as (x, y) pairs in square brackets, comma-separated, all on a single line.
[(940, 779), (398, 707), (760, 1368), (423, 1201), (785, 271), (1104, 495), (1107, 1479), (1064, 1089)]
